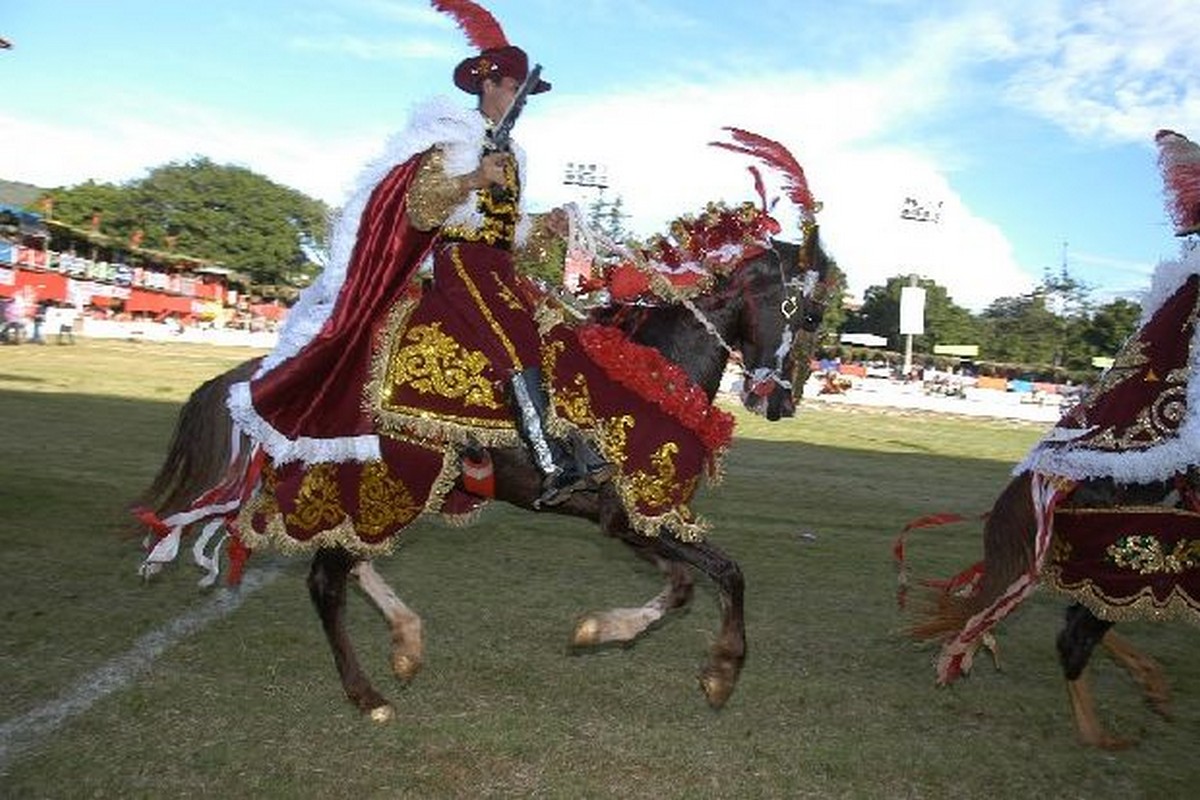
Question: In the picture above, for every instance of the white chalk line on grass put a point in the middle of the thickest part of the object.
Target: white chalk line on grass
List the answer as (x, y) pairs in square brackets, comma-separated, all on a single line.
[(20, 734)]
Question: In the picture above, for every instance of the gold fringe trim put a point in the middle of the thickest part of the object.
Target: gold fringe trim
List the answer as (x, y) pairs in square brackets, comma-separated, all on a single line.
[(1141, 606), (276, 536)]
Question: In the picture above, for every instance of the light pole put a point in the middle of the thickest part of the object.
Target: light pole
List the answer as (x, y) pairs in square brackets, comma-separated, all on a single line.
[(912, 297), (588, 175)]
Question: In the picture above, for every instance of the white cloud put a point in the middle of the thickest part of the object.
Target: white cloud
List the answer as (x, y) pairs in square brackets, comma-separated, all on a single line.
[(1110, 71), (654, 145), (123, 145)]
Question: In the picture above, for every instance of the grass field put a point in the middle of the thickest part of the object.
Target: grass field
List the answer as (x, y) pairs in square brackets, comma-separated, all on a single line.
[(834, 702)]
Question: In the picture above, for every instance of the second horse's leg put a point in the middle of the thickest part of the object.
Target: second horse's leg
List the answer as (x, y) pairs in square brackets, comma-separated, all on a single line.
[(1078, 638), (626, 624)]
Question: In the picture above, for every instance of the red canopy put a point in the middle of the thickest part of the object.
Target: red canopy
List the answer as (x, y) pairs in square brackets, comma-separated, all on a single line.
[(45, 285), (157, 303)]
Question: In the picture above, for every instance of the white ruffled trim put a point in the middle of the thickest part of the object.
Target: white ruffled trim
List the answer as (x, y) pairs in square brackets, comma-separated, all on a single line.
[(306, 449), (439, 121), (1155, 463)]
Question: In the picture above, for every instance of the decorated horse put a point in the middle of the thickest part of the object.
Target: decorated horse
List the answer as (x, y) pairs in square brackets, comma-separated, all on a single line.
[(636, 378), (1106, 508)]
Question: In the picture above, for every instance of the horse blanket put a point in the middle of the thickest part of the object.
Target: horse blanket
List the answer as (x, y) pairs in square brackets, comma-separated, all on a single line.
[(431, 396)]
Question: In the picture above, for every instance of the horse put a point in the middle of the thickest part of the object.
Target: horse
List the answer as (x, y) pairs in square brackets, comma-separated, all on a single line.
[(757, 310), (1105, 509), (1009, 541)]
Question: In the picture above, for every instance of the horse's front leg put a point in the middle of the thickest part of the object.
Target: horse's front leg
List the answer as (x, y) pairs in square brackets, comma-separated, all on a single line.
[(327, 587), (408, 643), (720, 675), (626, 624)]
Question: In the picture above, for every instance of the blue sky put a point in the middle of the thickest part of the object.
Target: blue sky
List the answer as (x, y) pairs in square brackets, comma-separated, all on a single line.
[(1030, 121)]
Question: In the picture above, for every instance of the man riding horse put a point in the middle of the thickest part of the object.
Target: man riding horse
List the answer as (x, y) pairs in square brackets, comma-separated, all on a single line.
[(450, 193)]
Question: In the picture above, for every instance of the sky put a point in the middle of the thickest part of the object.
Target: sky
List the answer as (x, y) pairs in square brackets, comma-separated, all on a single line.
[(1027, 125)]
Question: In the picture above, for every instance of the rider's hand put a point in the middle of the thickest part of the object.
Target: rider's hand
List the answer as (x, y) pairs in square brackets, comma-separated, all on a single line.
[(490, 171)]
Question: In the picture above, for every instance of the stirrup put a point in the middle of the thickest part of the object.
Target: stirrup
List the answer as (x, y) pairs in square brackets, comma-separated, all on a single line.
[(600, 472)]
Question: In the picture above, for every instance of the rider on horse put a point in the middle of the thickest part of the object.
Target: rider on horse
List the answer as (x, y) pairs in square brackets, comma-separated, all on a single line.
[(448, 195)]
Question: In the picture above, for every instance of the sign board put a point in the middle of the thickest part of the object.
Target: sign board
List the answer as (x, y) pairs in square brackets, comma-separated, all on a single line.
[(912, 310), (960, 350), (863, 339)]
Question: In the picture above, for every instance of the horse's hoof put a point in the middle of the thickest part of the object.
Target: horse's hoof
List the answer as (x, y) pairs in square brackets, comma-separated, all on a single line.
[(717, 690), (405, 667), (383, 714), (587, 633)]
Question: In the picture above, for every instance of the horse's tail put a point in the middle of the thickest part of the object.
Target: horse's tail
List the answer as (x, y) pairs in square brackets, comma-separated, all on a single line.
[(200, 447), (1008, 553)]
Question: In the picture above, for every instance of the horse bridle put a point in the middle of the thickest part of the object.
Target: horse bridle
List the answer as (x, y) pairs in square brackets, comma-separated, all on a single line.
[(763, 380), (795, 291)]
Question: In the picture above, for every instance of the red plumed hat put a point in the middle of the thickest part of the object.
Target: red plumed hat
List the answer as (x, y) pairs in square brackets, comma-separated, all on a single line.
[(497, 59), (1179, 162)]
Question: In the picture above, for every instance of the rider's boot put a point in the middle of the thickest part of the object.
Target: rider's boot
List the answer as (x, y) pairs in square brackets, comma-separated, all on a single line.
[(561, 473), (595, 467)]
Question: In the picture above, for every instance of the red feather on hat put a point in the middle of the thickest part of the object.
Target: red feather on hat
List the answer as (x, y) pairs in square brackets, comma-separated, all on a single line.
[(775, 155), (477, 23)]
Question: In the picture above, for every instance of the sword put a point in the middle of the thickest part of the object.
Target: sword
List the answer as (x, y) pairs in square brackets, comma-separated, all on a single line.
[(498, 138)]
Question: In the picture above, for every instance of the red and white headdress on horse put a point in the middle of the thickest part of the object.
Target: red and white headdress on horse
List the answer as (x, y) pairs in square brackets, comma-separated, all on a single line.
[(781, 160)]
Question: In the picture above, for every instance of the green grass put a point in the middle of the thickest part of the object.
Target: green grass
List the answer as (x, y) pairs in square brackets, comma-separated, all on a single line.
[(833, 702)]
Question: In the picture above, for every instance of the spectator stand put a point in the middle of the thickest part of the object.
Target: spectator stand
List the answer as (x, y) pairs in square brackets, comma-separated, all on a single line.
[(101, 286)]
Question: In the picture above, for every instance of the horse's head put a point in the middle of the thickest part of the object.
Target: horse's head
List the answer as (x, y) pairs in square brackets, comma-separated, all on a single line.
[(786, 294)]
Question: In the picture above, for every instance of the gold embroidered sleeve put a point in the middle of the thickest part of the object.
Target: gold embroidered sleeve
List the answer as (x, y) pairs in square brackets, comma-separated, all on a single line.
[(433, 193)]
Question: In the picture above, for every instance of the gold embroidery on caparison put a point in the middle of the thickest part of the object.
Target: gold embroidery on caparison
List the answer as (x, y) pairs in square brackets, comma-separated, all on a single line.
[(550, 353), (461, 269), (1060, 550), (383, 501), (506, 295), (434, 363), (317, 503), (574, 402), (658, 490), (268, 504), (1145, 555)]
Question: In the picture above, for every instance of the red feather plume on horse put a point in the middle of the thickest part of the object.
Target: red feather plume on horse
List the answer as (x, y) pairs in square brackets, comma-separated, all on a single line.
[(775, 155)]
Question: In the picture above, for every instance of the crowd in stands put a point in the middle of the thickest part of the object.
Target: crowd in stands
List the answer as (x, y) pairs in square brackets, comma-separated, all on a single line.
[(45, 293)]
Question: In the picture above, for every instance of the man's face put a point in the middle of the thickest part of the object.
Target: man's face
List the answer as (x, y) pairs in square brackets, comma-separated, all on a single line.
[(498, 96)]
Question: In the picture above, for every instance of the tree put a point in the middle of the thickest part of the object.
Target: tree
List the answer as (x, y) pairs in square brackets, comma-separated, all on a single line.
[(225, 214), (945, 322), (1111, 325), (608, 217), (1021, 330)]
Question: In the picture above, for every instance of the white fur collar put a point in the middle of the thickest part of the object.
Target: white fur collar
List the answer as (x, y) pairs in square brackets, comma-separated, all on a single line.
[(1054, 455)]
